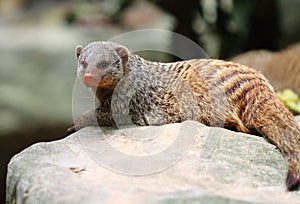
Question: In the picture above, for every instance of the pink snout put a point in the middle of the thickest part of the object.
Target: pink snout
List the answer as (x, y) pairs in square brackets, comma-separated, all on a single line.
[(87, 77)]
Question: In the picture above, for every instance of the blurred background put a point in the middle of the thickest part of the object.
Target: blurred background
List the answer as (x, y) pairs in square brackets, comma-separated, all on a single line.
[(38, 37)]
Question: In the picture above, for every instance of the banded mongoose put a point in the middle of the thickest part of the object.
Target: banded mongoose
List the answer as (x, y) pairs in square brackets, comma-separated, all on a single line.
[(220, 93)]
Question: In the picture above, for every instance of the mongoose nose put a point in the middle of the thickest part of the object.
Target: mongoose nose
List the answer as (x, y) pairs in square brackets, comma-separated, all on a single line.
[(87, 77)]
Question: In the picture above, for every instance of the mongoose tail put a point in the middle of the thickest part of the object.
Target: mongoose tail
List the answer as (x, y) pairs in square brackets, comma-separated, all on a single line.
[(273, 121)]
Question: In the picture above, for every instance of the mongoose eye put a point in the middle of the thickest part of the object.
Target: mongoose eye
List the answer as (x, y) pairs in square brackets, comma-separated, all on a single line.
[(102, 65), (84, 64)]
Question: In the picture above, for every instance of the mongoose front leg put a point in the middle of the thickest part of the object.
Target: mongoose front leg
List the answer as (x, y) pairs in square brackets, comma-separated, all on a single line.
[(91, 118), (86, 119)]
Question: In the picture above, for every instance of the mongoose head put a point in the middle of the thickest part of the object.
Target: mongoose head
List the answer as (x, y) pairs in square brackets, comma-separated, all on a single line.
[(101, 64)]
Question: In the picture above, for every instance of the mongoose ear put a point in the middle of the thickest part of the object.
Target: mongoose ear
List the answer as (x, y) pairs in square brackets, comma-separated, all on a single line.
[(78, 50), (123, 53)]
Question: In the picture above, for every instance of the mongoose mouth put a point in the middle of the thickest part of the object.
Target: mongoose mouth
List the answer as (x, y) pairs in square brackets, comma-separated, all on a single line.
[(90, 83)]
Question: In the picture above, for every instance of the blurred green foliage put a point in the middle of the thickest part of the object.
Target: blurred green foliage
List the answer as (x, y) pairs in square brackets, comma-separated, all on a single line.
[(223, 27), (290, 99)]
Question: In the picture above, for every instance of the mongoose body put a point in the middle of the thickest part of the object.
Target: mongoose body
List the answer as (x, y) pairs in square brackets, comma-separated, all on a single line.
[(132, 90)]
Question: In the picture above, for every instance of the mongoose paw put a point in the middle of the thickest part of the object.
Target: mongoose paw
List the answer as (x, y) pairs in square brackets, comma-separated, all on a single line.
[(71, 130), (292, 180)]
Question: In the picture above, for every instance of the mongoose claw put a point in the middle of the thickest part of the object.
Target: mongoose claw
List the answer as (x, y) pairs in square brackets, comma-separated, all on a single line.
[(71, 130)]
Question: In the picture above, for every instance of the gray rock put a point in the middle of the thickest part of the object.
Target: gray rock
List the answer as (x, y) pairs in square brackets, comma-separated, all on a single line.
[(298, 118), (176, 163)]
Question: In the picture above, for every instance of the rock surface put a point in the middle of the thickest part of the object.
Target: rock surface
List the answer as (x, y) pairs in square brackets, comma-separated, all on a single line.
[(298, 119), (176, 163)]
